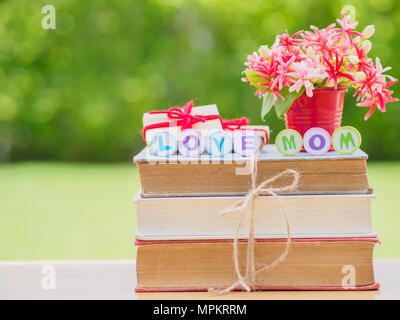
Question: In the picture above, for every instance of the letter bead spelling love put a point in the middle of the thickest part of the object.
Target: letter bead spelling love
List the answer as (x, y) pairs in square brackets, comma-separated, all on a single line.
[(219, 143), (246, 142), (163, 144), (193, 142)]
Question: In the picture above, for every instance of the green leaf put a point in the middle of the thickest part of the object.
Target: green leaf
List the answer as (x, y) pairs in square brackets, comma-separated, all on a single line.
[(255, 78), (268, 102), (281, 106)]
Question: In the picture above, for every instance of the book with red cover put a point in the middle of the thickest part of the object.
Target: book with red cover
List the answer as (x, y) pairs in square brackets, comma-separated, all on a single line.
[(312, 264)]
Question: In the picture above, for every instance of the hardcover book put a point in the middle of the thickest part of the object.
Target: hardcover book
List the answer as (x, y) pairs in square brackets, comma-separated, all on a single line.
[(311, 216), (184, 176), (312, 264)]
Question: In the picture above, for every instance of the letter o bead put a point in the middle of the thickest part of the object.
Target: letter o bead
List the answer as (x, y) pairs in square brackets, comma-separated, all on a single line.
[(317, 141), (191, 143)]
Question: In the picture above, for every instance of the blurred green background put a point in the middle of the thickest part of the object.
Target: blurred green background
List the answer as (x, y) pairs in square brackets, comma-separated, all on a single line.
[(76, 95)]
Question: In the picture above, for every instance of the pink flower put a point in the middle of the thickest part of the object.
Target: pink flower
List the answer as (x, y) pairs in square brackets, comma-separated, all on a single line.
[(282, 71), (334, 71), (380, 70), (255, 61), (347, 29), (378, 99), (277, 94), (305, 74), (364, 63), (289, 43), (321, 40), (374, 89), (375, 80)]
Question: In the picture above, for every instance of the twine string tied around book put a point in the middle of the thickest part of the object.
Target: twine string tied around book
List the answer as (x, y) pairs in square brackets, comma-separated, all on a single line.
[(246, 208)]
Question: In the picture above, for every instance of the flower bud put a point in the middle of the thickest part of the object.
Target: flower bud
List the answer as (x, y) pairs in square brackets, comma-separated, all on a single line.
[(276, 43), (368, 31), (354, 59), (265, 52), (366, 46), (310, 52), (359, 75), (331, 83)]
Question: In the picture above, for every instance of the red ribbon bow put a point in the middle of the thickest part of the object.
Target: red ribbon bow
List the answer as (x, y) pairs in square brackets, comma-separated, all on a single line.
[(184, 118), (234, 123)]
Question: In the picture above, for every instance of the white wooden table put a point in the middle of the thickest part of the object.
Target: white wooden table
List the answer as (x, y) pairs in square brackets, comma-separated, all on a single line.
[(116, 279)]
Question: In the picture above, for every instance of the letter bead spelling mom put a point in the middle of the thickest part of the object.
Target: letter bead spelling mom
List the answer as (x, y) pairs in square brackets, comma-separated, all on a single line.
[(317, 141), (191, 143), (346, 140), (219, 143), (246, 142), (289, 142)]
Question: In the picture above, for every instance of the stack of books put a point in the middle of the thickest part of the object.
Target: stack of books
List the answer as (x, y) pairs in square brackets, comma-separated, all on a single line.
[(184, 244)]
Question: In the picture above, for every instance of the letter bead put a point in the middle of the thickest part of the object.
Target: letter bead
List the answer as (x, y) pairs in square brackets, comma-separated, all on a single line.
[(317, 141), (346, 140), (191, 143), (163, 144), (289, 142), (219, 143), (246, 142)]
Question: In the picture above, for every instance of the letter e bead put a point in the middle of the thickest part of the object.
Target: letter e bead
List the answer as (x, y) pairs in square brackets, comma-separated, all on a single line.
[(246, 142)]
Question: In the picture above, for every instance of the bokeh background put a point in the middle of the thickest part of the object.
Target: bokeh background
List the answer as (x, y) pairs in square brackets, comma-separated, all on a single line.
[(72, 99)]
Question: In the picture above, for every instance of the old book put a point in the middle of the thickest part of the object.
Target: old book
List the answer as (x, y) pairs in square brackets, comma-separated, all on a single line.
[(323, 264), (207, 175), (311, 216)]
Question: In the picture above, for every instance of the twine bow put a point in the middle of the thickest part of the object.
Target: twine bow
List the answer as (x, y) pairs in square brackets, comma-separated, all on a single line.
[(183, 118), (246, 208)]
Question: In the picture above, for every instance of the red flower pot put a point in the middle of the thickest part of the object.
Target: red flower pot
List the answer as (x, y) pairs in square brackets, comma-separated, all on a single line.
[(324, 109)]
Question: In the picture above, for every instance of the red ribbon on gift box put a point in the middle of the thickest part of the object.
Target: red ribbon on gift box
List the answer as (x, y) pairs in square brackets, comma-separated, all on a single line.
[(186, 120), (183, 117), (234, 123)]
